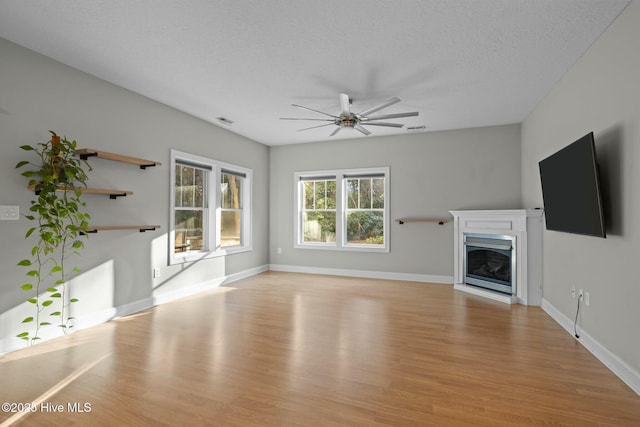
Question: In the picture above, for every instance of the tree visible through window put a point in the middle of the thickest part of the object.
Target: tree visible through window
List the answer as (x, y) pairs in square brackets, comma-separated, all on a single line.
[(319, 211), (190, 207), (365, 210)]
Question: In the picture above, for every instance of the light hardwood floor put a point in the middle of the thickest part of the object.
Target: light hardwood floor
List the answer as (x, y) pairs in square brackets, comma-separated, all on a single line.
[(304, 350)]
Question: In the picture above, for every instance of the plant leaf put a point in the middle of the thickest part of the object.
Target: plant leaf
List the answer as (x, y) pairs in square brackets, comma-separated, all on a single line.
[(23, 335), (44, 323), (27, 148), (74, 300), (27, 320), (26, 287), (47, 303), (25, 263), (21, 164), (52, 290), (33, 300), (56, 295), (55, 313)]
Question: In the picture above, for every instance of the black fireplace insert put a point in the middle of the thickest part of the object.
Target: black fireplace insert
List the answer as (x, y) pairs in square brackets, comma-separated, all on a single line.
[(490, 262)]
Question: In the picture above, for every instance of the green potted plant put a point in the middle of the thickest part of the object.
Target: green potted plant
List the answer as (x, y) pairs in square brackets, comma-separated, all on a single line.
[(57, 178)]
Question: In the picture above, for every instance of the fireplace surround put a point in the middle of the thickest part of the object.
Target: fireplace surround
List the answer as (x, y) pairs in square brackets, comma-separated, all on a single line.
[(506, 254)]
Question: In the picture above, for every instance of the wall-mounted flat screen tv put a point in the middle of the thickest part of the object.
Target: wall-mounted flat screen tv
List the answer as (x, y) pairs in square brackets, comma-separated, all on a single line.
[(571, 189)]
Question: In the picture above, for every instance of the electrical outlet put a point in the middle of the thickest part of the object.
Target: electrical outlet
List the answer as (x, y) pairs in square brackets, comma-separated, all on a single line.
[(573, 292), (156, 273), (10, 213), (581, 295), (587, 298)]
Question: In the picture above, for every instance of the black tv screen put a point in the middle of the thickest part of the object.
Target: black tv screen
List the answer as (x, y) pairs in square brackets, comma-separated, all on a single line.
[(571, 189)]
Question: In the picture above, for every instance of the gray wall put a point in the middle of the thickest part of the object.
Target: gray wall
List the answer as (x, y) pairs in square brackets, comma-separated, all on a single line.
[(38, 94), (430, 174), (601, 93)]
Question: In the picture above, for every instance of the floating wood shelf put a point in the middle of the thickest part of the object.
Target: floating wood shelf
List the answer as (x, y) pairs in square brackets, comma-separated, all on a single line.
[(85, 153), (440, 221), (141, 228), (113, 194)]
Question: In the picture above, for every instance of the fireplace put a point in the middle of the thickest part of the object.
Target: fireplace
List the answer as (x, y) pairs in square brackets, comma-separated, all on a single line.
[(514, 234), (490, 262)]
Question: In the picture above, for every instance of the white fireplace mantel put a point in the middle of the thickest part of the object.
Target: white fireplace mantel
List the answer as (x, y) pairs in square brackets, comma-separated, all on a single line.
[(526, 226)]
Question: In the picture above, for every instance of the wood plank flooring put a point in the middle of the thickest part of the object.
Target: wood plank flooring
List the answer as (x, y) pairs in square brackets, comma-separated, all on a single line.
[(284, 349)]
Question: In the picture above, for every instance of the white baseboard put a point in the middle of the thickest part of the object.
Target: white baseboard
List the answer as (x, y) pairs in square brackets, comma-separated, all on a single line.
[(625, 372), (410, 277), (188, 291)]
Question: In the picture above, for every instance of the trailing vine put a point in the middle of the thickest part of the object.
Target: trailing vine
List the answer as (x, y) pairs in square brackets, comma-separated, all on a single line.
[(57, 180)]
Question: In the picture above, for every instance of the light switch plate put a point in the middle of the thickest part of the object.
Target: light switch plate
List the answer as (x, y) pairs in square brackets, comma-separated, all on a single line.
[(9, 213)]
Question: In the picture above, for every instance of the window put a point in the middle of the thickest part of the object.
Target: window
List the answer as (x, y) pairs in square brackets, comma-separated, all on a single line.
[(365, 210), (210, 213), (342, 209), (319, 210), (231, 208)]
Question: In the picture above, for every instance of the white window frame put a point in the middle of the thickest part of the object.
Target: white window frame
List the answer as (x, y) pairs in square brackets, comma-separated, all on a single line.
[(341, 175), (212, 234)]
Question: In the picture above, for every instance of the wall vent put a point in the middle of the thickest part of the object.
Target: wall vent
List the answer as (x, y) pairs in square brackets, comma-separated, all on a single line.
[(225, 121)]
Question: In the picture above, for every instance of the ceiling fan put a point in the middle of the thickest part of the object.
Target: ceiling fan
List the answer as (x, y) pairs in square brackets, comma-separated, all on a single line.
[(348, 119)]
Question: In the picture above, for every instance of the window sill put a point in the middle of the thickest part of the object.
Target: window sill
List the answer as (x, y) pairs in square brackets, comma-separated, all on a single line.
[(346, 248), (192, 256)]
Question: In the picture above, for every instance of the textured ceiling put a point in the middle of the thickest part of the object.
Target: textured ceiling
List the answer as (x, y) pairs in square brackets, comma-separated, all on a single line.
[(459, 63)]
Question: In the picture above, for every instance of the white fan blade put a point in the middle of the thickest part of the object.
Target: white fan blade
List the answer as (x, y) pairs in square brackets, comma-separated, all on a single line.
[(391, 125), (385, 104), (315, 111), (313, 127), (344, 104), (299, 118), (389, 116), (362, 130), (336, 131)]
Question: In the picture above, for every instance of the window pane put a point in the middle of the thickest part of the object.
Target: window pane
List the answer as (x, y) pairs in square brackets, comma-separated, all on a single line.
[(308, 187), (198, 189), (378, 193), (230, 228), (321, 202), (189, 232), (365, 193), (319, 194), (331, 194), (319, 226), (352, 193), (231, 186), (365, 228), (190, 191)]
